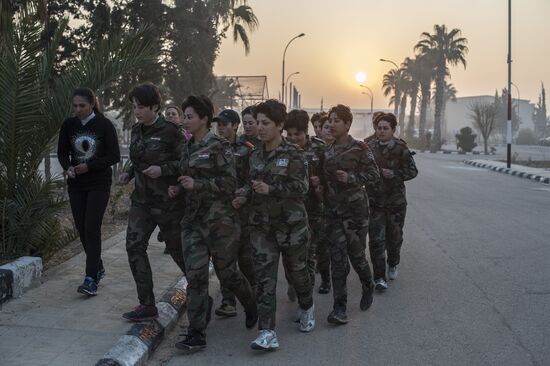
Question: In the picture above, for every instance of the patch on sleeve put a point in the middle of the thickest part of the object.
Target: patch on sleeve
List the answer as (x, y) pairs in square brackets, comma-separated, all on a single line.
[(282, 162), (228, 152), (370, 155), (204, 156)]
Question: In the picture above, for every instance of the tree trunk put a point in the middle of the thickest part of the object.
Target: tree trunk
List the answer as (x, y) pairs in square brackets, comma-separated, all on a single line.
[(439, 94), (396, 101), (485, 144), (402, 109), (410, 126), (426, 96)]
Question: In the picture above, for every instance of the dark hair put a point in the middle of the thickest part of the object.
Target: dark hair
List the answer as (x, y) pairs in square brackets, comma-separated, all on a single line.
[(273, 109), (248, 110), (317, 116), (388, 117), (375, 116), (89, 95), (323, 120), (146, 94), (298, 119), (202, 105), (343, 112), (173, 106)]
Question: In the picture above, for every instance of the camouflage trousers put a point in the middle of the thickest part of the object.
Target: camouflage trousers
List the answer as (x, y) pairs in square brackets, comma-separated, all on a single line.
[(217, 239), (142, 221), (347, 240), (320, 247), (386, 235), (245, 261), (289, 240), (317, 231)]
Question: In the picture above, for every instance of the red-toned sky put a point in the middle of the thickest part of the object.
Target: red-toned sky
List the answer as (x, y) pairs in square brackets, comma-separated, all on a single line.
[(347, 36)]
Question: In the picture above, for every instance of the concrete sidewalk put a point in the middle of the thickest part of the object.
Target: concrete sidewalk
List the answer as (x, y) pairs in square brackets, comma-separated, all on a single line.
[(537, 174), (54, 325)]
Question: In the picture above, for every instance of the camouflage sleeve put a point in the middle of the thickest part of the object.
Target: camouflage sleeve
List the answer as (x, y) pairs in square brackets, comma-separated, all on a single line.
[(408, 169), (367, 173), (225, 179), (129, 169), (296, 184), (172, 167)]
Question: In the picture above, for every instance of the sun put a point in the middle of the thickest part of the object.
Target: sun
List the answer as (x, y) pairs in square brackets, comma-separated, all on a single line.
[(360, 77)]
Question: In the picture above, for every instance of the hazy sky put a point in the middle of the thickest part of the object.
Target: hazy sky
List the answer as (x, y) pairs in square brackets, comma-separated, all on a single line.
[(347, 36)]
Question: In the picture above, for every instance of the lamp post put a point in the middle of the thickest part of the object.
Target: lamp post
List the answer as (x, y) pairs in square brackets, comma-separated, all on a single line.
[(287, 79), (397, 89), (509, 122), (283, 76), (371, 96)]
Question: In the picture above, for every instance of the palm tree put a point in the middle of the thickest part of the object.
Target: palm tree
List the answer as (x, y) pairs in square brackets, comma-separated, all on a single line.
[(446, 48), (33, 105), (390, 84), (239, 16), (425, 75), (410, 67), (448, 96)]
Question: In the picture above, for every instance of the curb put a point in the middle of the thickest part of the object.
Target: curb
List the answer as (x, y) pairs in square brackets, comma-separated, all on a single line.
[(447, 152), (18, 276), (515, 173), (137, 345)]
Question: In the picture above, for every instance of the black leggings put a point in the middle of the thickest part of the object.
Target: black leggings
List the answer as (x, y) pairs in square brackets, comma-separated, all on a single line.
[(88, 208)]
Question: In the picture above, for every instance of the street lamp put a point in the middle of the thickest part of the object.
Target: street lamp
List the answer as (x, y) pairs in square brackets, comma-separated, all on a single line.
[(371, 96), (288, 78), (397, 89), (283, 76)]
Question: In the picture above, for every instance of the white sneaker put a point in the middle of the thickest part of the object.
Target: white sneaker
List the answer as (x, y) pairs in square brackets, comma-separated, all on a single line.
[(307, 319), (298, 315), (267, 340), (380, 284), (392, 272)]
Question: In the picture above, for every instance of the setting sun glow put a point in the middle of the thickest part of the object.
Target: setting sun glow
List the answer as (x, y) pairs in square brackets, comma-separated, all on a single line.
[(360, 77)]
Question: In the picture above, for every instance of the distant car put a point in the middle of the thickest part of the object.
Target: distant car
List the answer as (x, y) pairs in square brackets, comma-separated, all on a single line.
[(545, 141)]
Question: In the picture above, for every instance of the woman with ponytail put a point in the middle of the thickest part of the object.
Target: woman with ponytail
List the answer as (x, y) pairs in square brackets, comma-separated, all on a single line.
[(87, 147)]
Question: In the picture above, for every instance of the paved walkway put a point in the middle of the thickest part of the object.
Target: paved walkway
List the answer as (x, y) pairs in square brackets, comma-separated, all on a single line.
[(54, 325)]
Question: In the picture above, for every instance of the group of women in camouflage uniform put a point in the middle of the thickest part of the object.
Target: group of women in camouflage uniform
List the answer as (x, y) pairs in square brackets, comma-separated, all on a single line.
[(245, 202)]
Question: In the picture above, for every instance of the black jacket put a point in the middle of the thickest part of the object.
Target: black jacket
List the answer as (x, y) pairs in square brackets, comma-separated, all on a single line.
[(95, 144)]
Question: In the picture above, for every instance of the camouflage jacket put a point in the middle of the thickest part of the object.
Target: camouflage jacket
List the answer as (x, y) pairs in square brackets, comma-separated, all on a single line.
[(211, 164), (253, 140), (355, 158), (397, 157), (241, 152), (284, 169), (159, 144), (314, 152)]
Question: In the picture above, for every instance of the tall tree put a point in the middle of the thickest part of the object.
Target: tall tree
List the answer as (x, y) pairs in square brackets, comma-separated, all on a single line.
[(449, 95), (540, 115), (411, 67), (446, 48), (484, 117), (425, 75), (198, 28), (391, 85)]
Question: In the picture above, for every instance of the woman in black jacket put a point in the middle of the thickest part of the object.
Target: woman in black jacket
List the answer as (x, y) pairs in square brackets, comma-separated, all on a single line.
[(87, 147)]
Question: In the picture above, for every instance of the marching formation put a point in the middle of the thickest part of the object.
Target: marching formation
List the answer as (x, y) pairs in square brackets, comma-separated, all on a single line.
[(244, 203)]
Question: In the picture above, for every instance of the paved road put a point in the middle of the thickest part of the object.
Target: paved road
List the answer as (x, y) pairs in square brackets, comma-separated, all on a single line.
[(473, 287)]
